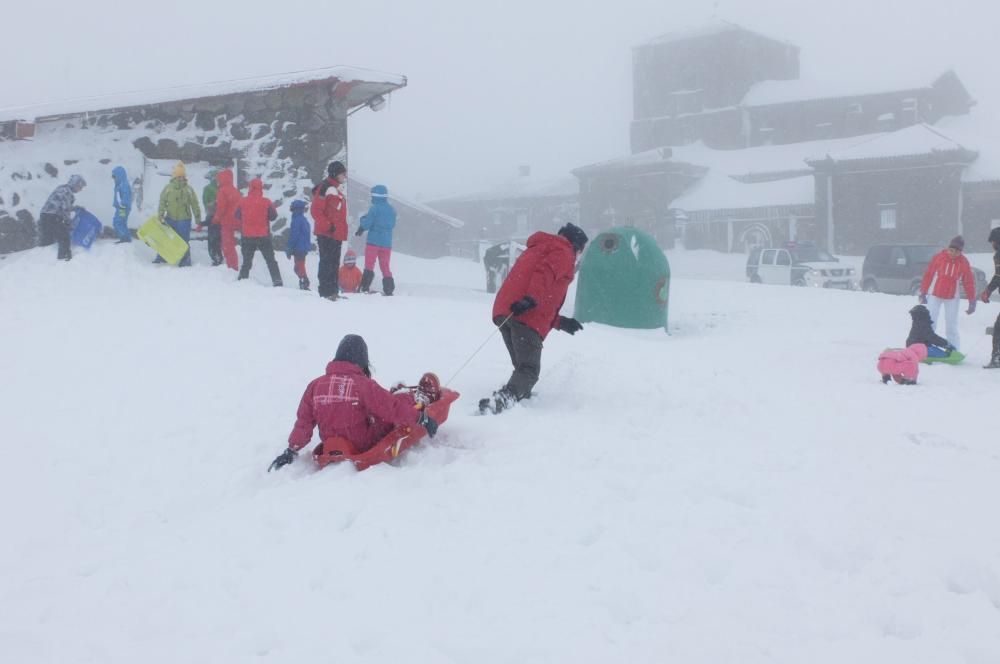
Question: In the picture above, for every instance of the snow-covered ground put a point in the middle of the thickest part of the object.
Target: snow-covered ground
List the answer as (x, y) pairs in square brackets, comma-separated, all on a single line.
[(742, 490)]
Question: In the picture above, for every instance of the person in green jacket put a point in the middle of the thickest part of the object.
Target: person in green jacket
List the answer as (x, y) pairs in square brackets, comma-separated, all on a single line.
[(179, 208), (214, 230)]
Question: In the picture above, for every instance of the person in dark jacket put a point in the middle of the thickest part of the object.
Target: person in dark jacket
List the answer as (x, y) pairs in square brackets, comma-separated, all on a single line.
[(378, 222), (208, 197), (329, 212), (256, 213), (527, 307), (57, 215), (922, 332), (122, 204), (346, 402), (994, 284), (299, 242)]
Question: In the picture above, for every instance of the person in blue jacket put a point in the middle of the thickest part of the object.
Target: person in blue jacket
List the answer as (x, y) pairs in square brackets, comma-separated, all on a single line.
[(122, 203), (299, 242), (379, 222)]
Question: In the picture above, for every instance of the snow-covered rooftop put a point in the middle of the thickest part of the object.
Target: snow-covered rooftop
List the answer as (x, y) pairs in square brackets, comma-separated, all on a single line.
[(523, 186), (710, 28), (981, 130), (377, 83), (717, 191), (918, 139), (767, 93)]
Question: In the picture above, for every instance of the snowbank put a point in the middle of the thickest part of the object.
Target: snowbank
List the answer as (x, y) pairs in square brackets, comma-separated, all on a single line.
[(743, 490)]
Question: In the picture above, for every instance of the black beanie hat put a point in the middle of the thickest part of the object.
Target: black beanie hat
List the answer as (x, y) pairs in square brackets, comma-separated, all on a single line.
[(575, 235), (995, 235), (353, 349), (335, 168)]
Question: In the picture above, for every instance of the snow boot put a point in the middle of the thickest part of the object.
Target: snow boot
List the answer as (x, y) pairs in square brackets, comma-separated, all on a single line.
[(994, 362), (304, 283), (388, 285), (366, 280), (502, 400), (886, 378)]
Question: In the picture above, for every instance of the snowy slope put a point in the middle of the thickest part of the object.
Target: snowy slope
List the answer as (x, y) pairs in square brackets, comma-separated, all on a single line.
[(743, 490)]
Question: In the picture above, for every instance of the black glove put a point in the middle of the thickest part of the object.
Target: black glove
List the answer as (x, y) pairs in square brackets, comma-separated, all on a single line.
[(570, 325), (428, 423), (526, 303), (359, 232), (282, 459)]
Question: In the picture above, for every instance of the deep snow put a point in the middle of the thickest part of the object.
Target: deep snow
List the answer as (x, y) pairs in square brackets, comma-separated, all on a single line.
[(742, 490)]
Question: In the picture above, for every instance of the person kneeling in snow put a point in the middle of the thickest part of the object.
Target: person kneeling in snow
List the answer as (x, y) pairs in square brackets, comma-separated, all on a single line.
[(346, 402), (901, 364), (922, 332), (349, 277)]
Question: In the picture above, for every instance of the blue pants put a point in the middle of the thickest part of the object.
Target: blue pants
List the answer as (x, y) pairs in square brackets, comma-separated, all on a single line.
[(182, 228), (936, 351), (121, 225)]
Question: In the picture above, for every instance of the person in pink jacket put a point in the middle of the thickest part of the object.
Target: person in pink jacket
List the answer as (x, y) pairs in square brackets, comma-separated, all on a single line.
[(901, 364), (946, 269), (347, 402)]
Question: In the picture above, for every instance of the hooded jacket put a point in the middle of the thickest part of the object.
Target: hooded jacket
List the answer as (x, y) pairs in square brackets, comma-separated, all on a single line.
[(299, 240), (544, 272), (227, 200), (179, 202), (329, 210), (949, 271), (123, 191), (902, 362), (380, 219), (343, 403), (60, 203), (922, 330), (256, 212)]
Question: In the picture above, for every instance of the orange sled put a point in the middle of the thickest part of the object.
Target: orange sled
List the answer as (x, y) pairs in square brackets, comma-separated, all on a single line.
[(337, 449)]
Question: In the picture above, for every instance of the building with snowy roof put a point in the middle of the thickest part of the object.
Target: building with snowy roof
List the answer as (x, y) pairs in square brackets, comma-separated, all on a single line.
[(284, 129), (726, 138)]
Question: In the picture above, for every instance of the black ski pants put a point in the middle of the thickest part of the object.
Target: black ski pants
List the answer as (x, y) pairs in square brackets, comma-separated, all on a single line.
[(329, 265), (52, 229), (215, 243), (250, 245), (525, 348)]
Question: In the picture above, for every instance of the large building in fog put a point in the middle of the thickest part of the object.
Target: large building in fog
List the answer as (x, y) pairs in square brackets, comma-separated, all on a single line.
[(732, 149)]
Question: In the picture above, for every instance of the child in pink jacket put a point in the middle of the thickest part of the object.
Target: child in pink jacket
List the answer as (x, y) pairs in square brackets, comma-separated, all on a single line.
[(901, 364)]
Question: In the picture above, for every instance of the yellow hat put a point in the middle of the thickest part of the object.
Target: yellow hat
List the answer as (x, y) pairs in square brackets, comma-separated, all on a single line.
[(179, 171)]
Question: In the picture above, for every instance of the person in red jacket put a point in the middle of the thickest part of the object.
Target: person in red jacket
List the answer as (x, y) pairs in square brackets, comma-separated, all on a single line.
[(946, 269), (256, 214), (349, 276), (347, 402), (329, 212), (227, 200), (527, 307)]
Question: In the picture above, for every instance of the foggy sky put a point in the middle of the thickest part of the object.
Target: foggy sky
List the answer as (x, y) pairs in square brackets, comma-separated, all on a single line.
[(492, 85)]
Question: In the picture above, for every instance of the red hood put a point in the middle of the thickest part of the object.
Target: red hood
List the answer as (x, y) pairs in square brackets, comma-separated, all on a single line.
[(541, 239), (256, 187), (224, 178)]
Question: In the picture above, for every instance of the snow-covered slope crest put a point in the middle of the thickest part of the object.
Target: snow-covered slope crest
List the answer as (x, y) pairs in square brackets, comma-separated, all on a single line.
[(743, 490)]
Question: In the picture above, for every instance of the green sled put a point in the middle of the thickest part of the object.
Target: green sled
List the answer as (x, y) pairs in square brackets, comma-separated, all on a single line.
[(954, 357), (163, 240)]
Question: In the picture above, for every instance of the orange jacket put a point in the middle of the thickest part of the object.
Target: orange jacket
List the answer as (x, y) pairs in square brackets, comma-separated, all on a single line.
[(349, 279), (949, 271)]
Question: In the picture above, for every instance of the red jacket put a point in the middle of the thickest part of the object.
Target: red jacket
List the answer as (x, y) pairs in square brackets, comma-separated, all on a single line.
[(949, 270), (349, 279), (329, 211), (256, 212), (544, 271), (347, 403), (227, 200)]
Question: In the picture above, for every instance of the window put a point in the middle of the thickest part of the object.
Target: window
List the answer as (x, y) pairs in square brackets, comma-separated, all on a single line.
[(783, 258), (909, 109), (854, 109), (897, 257), (887, 217), (768, 257)]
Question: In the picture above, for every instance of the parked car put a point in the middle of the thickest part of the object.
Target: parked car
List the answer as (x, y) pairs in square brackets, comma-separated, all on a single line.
[(799, 264), (898, 268)]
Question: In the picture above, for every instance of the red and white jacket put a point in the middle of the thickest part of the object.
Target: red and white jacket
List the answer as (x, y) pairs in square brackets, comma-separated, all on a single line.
[(345, 402), (329, 210), (949, 271)]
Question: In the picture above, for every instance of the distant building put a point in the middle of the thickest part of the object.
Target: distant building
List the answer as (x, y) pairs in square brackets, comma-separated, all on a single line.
[(512, 210), (732, 150)]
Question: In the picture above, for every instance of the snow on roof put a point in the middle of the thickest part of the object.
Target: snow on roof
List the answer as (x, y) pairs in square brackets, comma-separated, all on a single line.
[(717, 191), (379, 82), (918, 139), (716, 26), (420, 207), (523, 186), (767, 93), (747, 161), (981, 129)]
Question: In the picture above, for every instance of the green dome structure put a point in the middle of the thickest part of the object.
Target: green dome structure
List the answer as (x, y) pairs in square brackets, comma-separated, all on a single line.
[(624, 281)]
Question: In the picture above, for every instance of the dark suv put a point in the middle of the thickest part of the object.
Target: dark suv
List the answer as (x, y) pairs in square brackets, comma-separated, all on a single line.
[(898, 268)]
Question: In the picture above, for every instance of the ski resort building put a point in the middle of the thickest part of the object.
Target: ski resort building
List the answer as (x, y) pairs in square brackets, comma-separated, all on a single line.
[(732, 150)]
